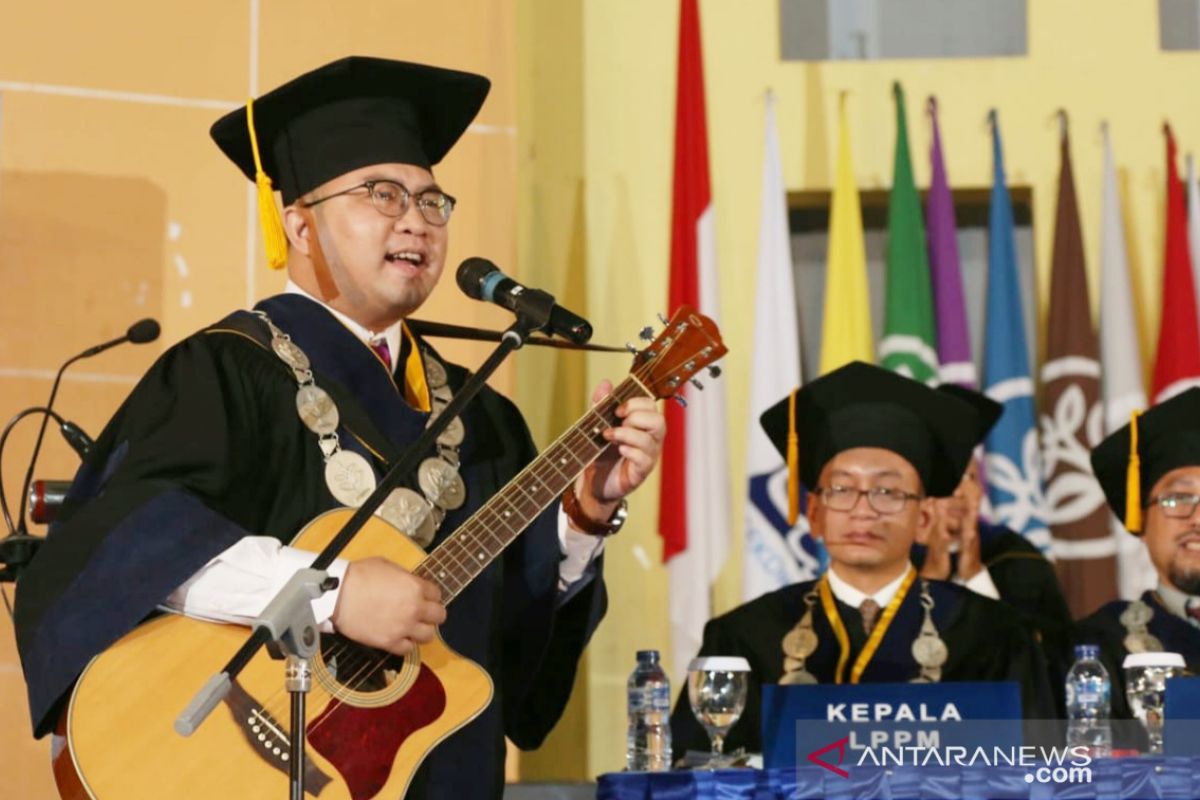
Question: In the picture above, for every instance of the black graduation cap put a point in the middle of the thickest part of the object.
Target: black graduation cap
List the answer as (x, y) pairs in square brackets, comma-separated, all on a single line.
[(987, 410), (352, 113), (1132, 459), (860, 405)]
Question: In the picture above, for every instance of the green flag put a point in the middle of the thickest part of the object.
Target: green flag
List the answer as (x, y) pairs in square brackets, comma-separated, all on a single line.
[(909, 344)]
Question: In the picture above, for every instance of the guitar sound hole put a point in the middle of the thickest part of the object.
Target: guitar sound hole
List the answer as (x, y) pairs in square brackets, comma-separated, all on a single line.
[(358, 667)]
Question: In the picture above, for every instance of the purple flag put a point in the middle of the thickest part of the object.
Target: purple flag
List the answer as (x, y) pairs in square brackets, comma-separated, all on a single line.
[(953, 336)]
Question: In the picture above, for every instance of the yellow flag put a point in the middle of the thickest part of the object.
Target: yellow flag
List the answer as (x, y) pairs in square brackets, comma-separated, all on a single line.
[(846, 328)]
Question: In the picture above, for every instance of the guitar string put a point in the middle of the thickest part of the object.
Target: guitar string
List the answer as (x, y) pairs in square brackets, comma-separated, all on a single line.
[(337, 697), (368, 665), (608, 404), (354, 683), (633, 384)]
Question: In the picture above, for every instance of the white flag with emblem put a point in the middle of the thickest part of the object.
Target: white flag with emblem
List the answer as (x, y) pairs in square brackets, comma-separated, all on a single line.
[(776, 554)]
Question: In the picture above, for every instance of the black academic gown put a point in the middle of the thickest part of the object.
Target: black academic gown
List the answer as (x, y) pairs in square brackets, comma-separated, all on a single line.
[(1026, 582), (985, 642), (208, 448), (1103, 627)]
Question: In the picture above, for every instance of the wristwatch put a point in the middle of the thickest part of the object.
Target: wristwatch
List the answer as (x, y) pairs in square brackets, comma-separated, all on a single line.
[(582, 522)]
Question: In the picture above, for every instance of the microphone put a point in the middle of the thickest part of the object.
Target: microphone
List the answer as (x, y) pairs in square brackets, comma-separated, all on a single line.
[(140, 332), (480, 279)]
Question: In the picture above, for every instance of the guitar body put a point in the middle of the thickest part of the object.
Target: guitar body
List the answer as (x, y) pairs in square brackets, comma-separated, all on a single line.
[(370, 722)]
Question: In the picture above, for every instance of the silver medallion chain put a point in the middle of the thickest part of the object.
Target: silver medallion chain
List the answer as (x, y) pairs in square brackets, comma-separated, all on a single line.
[(349, 476), (1136, 619)]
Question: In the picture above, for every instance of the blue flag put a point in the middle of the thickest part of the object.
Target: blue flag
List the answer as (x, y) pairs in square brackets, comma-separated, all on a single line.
[(1013, 462)]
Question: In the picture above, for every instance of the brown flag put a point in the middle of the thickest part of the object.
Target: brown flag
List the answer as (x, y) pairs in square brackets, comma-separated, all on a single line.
[(1072, 416)]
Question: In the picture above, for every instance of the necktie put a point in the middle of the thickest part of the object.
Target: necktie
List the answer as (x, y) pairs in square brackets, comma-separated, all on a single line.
[(380, 346), (870, 612), (1193, 610)]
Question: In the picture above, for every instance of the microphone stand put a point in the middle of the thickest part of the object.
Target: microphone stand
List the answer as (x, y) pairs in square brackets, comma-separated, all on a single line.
[(287, 625), (37, 445), (140, 332), (444, 330), (19, 547)]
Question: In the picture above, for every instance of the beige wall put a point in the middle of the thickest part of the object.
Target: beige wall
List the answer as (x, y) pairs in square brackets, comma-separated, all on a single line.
[(114, 203)]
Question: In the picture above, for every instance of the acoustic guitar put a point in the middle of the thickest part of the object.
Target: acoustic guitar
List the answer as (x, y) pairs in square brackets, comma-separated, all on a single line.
[(371, 717)]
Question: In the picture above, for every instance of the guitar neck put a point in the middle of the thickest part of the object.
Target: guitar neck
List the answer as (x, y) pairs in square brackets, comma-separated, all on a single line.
[(483, 537)]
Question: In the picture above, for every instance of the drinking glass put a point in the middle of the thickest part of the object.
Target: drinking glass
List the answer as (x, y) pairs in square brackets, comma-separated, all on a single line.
[(1145, 688), (717, 687)]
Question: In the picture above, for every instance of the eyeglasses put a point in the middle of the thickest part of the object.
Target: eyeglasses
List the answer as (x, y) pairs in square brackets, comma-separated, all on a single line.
[(1179, 505), (392, 200), (882, 499)]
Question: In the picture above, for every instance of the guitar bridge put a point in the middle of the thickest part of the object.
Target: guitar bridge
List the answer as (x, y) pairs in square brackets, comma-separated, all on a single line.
[(268, 739)]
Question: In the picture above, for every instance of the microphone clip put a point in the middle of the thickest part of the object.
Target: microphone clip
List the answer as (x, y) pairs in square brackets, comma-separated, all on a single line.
[(535, 312), (16, 551)]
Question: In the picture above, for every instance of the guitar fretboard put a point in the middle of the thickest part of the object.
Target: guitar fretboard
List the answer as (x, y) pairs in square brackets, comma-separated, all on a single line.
[(479, 540)]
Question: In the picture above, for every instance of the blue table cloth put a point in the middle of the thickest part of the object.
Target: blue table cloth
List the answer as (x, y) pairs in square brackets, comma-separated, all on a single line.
[(1110, 779)]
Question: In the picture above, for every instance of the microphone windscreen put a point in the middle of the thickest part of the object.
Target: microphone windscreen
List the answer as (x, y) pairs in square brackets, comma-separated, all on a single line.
[(470, 276), (142, 331)]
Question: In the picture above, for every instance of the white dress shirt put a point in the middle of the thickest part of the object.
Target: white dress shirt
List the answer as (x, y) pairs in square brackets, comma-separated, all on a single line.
[(854, 597), (237, 585)]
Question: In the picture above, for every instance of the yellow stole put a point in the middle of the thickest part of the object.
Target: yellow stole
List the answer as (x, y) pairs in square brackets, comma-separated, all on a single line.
[(877, 633)]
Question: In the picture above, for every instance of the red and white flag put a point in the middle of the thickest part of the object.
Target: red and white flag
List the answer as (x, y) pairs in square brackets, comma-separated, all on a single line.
[(694, 518), (1177, 365)]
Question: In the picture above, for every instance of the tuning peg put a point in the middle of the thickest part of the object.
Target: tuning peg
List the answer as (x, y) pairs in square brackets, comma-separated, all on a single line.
[(678, 398), (697, 384), (646, 334), (714, 371), (631, 348), (663, 319)]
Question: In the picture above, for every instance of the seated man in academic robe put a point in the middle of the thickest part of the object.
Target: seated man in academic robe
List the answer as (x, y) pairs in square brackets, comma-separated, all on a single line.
[(993, 560), (1150, 472), (873, 448)]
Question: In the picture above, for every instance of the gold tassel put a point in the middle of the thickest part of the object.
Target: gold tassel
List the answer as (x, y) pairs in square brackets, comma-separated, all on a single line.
[(793, 462), (268, 214), (1133, 479)]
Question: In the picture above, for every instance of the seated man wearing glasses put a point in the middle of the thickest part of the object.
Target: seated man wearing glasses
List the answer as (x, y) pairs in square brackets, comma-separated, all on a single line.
[(1150, 472), (873, 448)]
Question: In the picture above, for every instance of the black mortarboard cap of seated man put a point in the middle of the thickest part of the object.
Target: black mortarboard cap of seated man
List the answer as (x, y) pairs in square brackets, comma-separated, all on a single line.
[(987, 410), (349, 114), (1168, 437), (860, 405)]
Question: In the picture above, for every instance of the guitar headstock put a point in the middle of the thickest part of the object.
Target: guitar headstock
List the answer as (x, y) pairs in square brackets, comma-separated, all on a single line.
[(689, 343)]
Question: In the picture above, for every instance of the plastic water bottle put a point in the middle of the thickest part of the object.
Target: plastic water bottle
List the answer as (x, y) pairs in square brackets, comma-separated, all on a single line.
[(1089, 693), (648, 743)]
